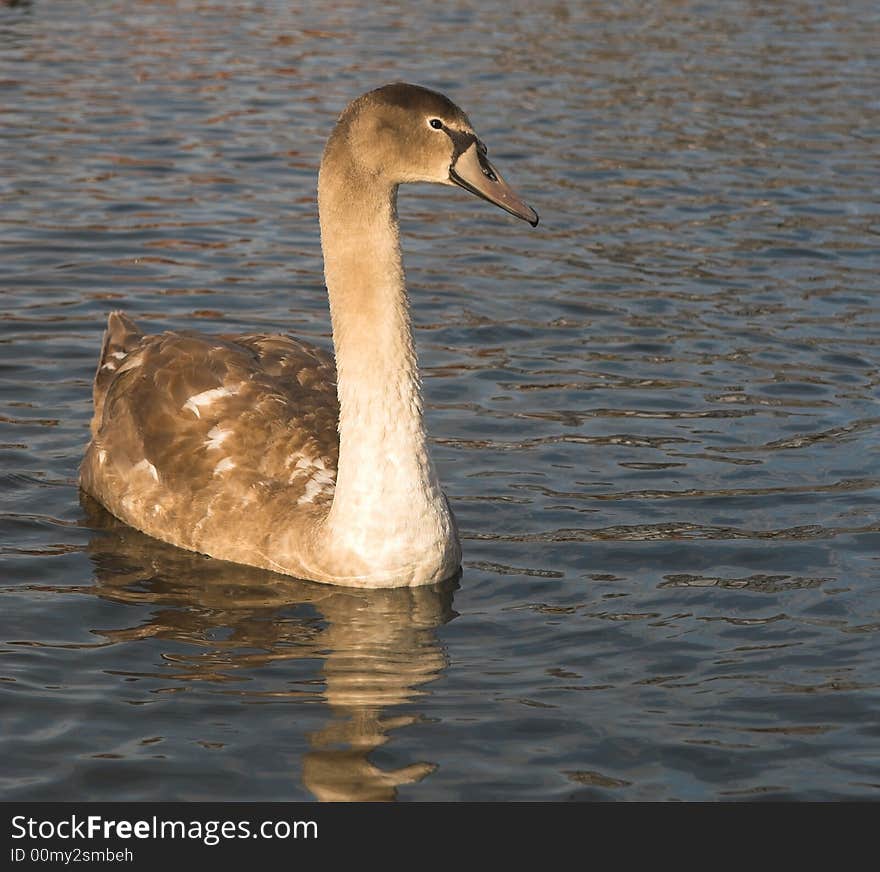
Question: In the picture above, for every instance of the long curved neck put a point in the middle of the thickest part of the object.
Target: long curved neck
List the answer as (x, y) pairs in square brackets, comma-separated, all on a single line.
[(387, 493)]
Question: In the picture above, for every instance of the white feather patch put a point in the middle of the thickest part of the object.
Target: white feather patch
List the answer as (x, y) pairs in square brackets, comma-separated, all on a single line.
[(224, 466), (146, 466), (322, 481), (205, 398), (216, 437), (131, 362)]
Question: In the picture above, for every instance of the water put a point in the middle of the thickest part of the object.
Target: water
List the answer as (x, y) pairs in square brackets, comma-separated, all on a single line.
[(656, 415)]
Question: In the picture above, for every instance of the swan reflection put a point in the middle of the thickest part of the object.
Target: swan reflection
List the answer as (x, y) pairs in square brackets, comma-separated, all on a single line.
[(378, 648)]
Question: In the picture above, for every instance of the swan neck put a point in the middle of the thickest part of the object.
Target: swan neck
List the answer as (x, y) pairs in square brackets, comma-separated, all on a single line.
[(386, 488)]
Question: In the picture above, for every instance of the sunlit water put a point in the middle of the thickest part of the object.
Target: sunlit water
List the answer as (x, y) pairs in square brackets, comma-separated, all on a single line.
[(656, 415)]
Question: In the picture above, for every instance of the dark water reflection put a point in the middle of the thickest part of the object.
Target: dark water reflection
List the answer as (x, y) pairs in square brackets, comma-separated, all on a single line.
[(363, 653), (656, 415)]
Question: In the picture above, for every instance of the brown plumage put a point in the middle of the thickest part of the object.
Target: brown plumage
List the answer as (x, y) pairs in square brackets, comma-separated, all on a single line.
[(258, 449), (267, 401)]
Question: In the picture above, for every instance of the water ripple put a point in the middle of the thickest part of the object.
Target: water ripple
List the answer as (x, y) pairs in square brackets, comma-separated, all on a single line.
[(655, 415)]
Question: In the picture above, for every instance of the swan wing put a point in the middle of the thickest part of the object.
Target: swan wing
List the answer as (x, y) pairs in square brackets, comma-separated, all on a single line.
[(192, 432)]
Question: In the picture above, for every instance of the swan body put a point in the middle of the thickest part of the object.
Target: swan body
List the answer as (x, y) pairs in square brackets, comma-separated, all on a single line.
[(267, 451)]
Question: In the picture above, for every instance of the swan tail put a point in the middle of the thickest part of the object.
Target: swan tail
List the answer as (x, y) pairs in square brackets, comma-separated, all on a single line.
[(121, 337)]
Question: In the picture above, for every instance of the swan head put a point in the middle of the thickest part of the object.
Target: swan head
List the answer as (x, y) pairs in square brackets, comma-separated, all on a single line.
[(407, 133)]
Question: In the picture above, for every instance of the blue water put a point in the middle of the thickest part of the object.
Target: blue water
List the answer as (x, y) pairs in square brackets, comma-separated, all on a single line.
[(655, 415)]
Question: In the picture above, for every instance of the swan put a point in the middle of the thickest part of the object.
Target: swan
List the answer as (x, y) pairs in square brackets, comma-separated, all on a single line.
[(261, 449)]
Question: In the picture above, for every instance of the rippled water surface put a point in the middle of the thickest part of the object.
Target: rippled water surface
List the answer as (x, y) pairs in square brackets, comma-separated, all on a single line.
[(655, 415)]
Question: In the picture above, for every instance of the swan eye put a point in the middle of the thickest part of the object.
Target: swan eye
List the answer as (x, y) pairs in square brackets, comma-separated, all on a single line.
[(436, 123)]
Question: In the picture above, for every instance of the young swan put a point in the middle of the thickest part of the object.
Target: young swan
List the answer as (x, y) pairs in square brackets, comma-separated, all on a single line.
[(256, 448)]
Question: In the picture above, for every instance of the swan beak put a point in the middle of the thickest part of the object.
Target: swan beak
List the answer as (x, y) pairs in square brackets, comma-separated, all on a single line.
[(473, 172)]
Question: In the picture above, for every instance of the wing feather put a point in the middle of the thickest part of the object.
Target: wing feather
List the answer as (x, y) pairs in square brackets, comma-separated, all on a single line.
[(189, 427)]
